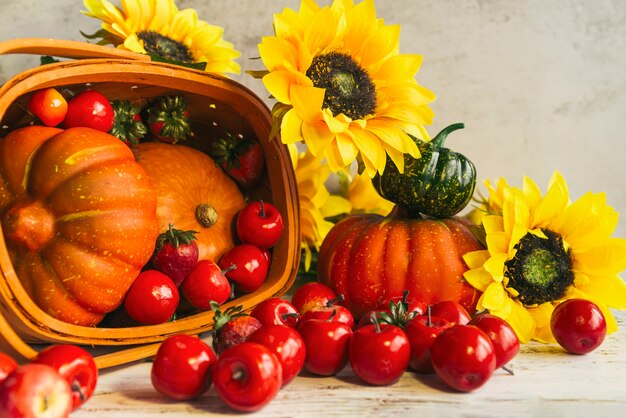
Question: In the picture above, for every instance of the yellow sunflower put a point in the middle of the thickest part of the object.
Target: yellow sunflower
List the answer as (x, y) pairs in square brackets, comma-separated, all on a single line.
[(316, 203), (342, 87), (158, 27), (485, 206), (362, 195), (542, 250)]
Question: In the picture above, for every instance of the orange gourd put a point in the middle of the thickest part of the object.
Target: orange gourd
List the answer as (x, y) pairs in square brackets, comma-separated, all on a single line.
[(369, 259), (192, 194), (78, 216)]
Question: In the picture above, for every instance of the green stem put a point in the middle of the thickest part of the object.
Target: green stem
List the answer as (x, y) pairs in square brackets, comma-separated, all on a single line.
[(438, 140)]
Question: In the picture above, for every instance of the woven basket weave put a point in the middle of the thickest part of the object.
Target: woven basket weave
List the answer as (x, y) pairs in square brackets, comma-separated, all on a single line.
[(215, 103)]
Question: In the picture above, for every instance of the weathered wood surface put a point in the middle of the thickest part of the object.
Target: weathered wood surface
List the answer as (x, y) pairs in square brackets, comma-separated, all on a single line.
[(548, 382)]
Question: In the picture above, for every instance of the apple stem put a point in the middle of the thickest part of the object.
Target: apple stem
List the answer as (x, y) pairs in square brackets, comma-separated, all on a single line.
[(374, 320), (332, 315), (336, 300), (262, 208), (76, 388), (289, 315), (429, 322), (239, 374), (229, 268), (508, 370)]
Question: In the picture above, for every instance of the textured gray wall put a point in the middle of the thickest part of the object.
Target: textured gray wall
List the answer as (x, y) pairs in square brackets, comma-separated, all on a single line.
[(540, 85)]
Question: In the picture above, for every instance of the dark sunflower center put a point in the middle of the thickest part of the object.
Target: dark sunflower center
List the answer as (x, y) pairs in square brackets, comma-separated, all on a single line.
[(541, 270), (349, 89), (164, 47)]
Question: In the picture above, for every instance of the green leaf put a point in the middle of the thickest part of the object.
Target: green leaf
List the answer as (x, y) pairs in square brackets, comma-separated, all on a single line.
[(47, 59), (195, 65), (257, 74)]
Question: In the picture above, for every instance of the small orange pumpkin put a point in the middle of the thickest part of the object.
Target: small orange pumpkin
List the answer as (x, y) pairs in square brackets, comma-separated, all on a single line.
[(370, 259), (192, 194), (79, 218)]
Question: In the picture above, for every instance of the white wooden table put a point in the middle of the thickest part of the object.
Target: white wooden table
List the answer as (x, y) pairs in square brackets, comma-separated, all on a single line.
[(548, 382)]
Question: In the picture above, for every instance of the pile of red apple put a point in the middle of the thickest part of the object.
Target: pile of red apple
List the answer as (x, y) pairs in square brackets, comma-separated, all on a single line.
[(58, 380), (175, 269), (254, 355)]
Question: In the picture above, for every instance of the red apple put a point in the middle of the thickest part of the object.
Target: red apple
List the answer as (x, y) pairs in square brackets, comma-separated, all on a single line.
[(311, 294), (501, 334), (463, 357), (77, 367), (204, 284), (451, 311), (326, 346), (182, 367), (276, 311), (7, 365), (331, 311), (578, 325), (35, 391), (422, 331), (260, 224)]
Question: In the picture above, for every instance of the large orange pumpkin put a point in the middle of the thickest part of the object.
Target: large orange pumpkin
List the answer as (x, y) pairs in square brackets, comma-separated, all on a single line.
[(369, 258), (192, 194), (78, 216)]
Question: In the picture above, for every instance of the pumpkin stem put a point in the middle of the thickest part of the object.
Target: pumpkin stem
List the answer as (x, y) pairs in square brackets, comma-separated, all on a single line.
[(401, 212), (438, 140), (206, 215), (28, 225)]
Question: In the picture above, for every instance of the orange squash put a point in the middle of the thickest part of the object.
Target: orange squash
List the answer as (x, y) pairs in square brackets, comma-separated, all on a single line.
[(78, 216), (369, 259), (192, 194)]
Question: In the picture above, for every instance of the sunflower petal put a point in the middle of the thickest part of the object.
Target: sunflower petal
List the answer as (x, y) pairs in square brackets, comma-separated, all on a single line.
[(291, 128), (553, 204), (476, 259), (493, 224), (494, 297), (397, 157), (318, 36), (522, 322), (495, 265), (610, 290), (335, 206), (399, 68), (608, 258), (318, 136), (307, 102), (278, 84), (278, 54), (479, 278), (370, 147)]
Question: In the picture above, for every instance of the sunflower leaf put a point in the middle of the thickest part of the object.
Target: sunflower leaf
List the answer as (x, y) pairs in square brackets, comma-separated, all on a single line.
[(195, 65), (47, 59), (257, 74), (479, 233)]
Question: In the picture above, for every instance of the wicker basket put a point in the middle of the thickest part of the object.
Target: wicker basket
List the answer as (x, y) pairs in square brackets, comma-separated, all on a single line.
[(216, 103)]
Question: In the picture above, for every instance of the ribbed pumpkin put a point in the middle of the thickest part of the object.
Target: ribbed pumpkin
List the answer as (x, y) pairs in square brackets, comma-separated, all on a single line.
[(192, 194), (78, 216), (369, 259)]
